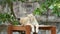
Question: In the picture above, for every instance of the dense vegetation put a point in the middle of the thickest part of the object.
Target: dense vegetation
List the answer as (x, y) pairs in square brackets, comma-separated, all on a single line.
[(46, 5)]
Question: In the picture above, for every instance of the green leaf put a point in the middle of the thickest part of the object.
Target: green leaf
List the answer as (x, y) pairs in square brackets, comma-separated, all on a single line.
[(37, 12)]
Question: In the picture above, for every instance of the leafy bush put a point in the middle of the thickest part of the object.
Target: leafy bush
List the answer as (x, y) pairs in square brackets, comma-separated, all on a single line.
[(10, 18)]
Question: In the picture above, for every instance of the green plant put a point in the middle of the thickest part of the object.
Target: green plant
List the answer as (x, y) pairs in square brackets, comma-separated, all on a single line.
[(56, 10), (46, 5), (37, 11), (8, 17), (10, 5)]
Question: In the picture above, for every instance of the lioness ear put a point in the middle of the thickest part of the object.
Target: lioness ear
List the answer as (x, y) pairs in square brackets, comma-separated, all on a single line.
[(18, 19)]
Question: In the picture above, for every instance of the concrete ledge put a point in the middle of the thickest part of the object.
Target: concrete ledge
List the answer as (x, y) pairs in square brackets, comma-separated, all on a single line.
[(49, 19)]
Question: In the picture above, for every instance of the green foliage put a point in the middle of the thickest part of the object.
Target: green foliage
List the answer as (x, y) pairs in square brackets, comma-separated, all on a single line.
[(54, 5), (56, 11), (8, 17), (46, 5), (4, 17), (37, 12)]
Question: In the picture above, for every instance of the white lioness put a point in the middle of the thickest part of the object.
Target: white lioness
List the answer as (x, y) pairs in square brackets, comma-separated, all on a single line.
[(29, 20)]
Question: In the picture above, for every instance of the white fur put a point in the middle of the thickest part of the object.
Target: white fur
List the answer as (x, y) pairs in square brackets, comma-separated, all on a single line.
[(30, 20)]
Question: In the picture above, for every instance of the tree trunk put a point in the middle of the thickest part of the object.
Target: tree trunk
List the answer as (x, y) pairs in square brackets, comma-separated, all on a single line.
[(11, 7)]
